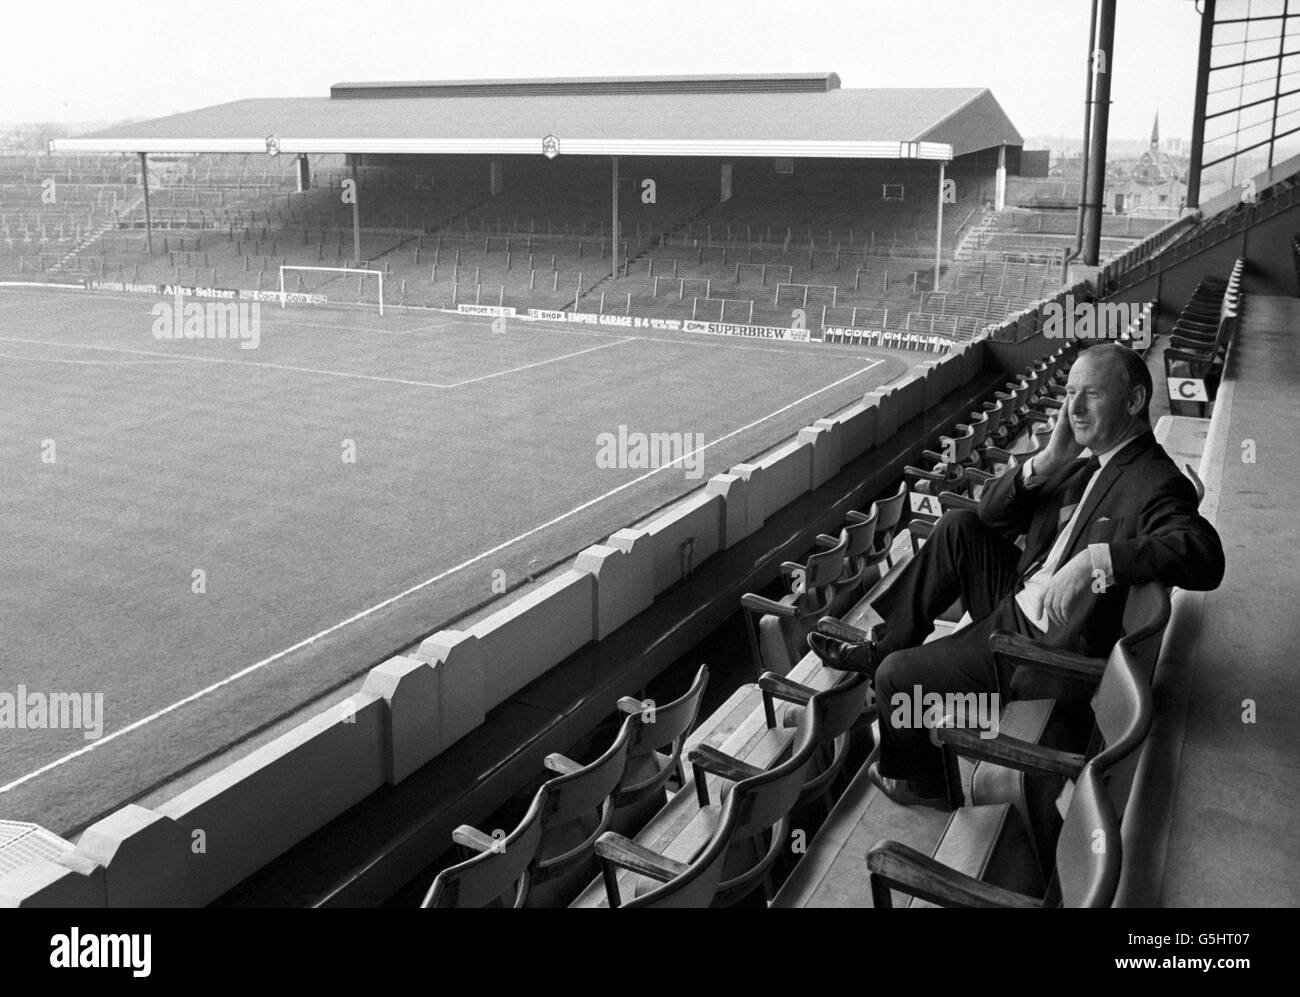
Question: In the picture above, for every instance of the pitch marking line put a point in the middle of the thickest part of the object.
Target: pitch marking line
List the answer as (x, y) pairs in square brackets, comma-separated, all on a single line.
[(220, 360), (540, 363), (311, 370), (92, 363), (308, 641)]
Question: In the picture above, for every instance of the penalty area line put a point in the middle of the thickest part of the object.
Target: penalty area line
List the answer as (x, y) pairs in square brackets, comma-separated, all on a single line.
[(363, 614)]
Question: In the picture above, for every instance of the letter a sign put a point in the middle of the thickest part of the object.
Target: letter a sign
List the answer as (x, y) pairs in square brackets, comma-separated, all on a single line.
[(924, 505), (550, 147)]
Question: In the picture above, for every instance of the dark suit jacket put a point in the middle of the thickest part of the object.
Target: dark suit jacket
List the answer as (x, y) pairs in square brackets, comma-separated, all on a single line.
[(1142, 505)]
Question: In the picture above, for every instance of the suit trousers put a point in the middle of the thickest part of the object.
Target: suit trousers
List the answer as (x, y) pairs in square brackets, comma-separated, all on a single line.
[(961, 559)]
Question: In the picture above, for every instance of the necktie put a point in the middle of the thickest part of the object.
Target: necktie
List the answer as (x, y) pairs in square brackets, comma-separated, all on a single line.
[(1074, 491), (1070, 498)]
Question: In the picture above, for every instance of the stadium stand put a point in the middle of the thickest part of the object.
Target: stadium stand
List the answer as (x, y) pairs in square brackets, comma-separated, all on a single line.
[(812, 517)]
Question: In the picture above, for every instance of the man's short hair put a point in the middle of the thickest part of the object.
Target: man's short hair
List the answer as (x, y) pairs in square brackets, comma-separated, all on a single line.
[(1131, 367)]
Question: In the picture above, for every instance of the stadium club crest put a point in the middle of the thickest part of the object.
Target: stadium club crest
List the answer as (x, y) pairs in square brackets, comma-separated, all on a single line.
[(550, 147), (272, 145)]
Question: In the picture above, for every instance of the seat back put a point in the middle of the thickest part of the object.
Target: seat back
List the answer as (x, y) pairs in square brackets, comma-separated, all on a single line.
[(823, 567), (579, 794), (979, 425), (841, 707), (697, 886), (667, 728), (1122, 706), (962, 445), (861, 536), (888, 511), (771, 795), (1146, 614), (1088, 852), (495, 874)]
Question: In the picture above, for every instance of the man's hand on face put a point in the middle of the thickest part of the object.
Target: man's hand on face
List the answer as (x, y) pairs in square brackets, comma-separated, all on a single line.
[(1066, 587), (1061, 447)]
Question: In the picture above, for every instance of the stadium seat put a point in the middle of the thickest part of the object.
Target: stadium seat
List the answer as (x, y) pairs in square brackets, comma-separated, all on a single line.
[(857, 575), (974, 864), (778, 628), (654, 755), (498, 874), (685, 884), (843, 709), (762, 834), (887, 512), (577, 808), (1020, 768)]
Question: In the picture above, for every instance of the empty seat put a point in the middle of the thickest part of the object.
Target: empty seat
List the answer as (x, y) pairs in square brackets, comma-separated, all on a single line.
[(1085, 874), (654, 754), (576, 810), (498, 873)]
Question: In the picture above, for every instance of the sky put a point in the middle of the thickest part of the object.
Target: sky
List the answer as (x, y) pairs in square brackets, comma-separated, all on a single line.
[(79, 61)]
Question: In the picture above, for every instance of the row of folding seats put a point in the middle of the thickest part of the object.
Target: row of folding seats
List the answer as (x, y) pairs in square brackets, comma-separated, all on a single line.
[(1008, 847), (722, 837), (1014, 425), (1198, 343), (551, 853)]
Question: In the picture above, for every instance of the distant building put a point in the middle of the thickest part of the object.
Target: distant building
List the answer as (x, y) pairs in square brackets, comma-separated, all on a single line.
[(1155, 184)]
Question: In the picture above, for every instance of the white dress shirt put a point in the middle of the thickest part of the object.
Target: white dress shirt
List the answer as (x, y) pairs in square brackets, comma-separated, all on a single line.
[(1031, 597)]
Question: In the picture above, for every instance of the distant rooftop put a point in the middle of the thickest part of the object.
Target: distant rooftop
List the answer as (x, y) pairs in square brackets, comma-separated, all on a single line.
[(573, 86), (797, 115)]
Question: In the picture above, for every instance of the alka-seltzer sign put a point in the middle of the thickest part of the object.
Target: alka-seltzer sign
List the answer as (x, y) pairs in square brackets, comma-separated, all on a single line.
[(215, 293), (1097, 320)]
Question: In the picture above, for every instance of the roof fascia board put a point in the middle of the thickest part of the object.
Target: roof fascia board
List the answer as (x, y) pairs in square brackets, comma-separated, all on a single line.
[(524, 146)]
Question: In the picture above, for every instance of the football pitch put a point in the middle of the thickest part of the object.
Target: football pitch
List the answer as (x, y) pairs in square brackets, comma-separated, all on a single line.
[(208, 536)]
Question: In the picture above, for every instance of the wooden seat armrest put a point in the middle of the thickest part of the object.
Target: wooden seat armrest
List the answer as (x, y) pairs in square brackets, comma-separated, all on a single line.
[(854, 516), (706, 758), (895, 865), (614, 850), (1009, 751), (557, 762), (781, 687), (631, 705), (1027, 652), (474, 840), (761, 604), (826, 541)]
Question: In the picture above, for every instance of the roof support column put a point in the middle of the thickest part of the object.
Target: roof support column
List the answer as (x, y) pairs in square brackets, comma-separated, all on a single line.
[(1204, 50), (148, 218), (1105, 67), (613, 249), (356, 207), (938, 230)]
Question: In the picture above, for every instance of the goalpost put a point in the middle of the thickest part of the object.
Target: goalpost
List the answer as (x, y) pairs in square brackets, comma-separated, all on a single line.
[(361, 276)]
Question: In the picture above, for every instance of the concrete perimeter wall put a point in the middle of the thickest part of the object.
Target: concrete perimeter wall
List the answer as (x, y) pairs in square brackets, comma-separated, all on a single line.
[(199, 844)]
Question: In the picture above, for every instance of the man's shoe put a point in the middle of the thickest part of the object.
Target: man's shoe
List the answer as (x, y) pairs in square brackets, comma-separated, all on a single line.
[(901, 792), (844, 656)]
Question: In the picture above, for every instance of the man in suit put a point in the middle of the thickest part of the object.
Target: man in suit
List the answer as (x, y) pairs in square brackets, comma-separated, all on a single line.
[(1102, 507)]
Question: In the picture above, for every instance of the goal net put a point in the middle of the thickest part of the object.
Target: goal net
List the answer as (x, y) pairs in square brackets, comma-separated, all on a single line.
[(365, 287)]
